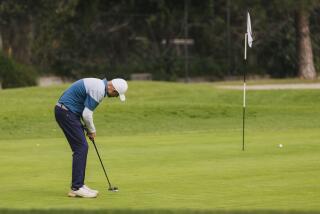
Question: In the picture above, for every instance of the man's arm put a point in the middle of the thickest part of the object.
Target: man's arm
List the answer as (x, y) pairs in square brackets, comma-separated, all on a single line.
[(87, 116)]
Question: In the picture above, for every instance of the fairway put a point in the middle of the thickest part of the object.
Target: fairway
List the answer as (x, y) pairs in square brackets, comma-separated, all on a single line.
[(171, 146)]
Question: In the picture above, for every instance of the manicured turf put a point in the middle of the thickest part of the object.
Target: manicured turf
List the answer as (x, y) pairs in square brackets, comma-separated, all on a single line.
[(169, 147)]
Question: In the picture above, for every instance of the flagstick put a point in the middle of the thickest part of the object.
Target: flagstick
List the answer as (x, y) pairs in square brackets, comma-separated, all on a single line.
[(244, 90)]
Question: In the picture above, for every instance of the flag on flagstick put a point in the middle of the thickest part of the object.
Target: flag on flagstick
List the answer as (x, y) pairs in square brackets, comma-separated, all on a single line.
[(249, 32), (247, 38)]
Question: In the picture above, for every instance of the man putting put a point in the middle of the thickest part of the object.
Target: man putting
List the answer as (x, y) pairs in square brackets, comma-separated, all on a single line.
[(79, 101)]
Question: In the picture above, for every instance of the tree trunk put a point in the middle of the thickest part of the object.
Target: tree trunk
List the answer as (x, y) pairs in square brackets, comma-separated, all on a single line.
[(305, 55), (17, 39)]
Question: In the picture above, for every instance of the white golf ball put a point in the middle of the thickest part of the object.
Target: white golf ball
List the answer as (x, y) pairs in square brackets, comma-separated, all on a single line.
[(280, 145)]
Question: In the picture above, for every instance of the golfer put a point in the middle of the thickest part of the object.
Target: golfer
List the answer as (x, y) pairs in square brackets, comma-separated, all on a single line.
[(76, 103)]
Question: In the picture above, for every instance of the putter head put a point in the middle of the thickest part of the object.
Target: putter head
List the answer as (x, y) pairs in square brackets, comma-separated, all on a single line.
[(113, 189)]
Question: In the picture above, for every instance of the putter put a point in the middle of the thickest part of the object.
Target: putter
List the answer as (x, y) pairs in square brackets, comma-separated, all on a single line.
[(112, 189)]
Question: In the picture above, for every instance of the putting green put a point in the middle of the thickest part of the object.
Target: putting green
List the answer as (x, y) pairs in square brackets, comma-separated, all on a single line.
[(171, 146)]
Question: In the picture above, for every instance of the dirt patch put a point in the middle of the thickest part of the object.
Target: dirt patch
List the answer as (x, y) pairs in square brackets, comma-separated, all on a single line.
[(274, 86)]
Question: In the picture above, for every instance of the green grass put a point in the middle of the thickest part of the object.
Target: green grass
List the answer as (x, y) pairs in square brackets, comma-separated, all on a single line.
[(170, 148)]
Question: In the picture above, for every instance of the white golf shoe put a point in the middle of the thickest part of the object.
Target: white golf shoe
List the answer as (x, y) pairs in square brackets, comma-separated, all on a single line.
[(91, 190), (82, 192)]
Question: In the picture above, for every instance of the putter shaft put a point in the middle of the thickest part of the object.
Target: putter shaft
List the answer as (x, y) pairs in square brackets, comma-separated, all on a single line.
[(104, 170)]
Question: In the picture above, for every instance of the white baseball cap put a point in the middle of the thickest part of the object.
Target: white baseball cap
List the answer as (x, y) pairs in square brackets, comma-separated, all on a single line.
[(121, 86)]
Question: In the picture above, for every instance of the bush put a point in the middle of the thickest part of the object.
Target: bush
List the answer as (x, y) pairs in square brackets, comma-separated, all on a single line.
[(13, 75)]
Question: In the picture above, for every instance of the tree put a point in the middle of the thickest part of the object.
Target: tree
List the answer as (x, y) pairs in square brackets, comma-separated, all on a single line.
[(79, 38), (16, 22), (304, 46), (302, 10), (282, 36)]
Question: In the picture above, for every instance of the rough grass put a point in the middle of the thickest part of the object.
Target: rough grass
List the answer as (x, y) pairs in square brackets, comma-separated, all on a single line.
[(169, 148)]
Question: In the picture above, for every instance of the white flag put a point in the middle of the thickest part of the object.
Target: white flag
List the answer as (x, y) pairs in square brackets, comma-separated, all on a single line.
[(249, 32)]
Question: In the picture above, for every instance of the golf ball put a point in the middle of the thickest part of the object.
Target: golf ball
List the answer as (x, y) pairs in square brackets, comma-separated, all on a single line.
[(280, 145)]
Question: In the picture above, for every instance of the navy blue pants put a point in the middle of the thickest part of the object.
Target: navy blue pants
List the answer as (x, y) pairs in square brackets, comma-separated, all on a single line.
[(74, 131)]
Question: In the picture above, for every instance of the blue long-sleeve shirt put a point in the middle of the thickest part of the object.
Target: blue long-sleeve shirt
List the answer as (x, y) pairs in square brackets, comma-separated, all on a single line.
[(87, 92)]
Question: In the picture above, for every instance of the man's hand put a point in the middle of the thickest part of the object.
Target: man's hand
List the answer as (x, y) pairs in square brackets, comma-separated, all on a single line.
[(91, 135)]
